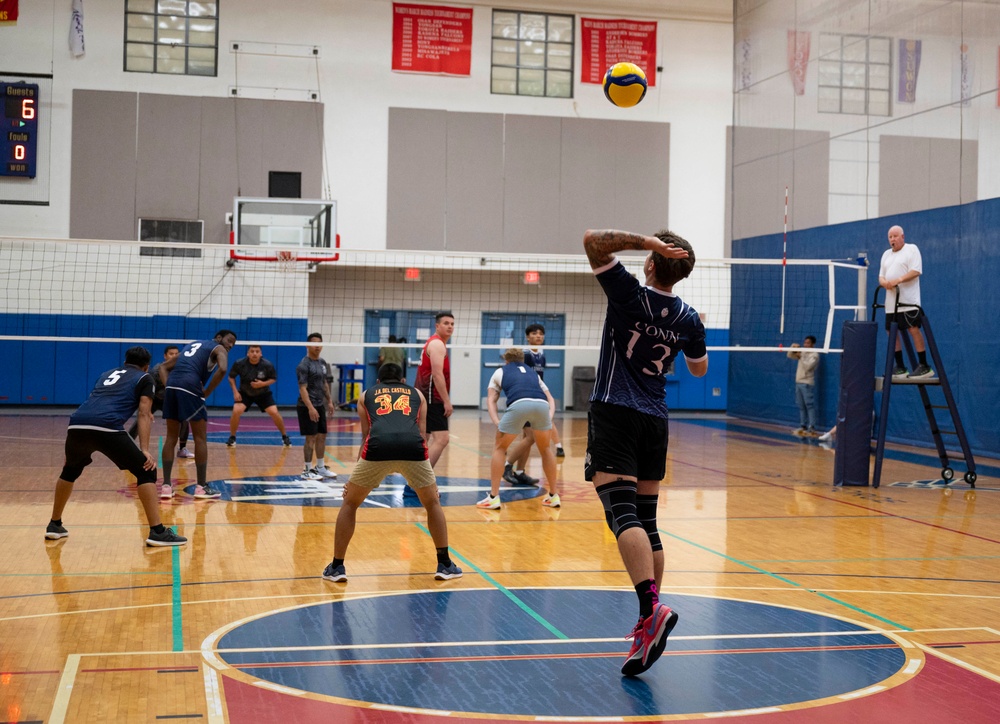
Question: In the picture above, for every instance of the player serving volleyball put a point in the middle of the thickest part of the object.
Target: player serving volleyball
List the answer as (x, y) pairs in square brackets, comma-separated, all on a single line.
[(645, 328)]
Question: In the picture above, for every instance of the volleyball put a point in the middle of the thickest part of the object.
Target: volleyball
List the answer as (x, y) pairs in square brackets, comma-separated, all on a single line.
[(625, 84)]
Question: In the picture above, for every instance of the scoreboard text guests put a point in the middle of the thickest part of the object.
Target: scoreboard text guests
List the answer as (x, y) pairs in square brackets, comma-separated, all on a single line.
[(19, 139)]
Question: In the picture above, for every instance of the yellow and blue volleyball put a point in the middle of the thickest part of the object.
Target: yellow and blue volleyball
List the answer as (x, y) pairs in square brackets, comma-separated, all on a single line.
[(625, 84)]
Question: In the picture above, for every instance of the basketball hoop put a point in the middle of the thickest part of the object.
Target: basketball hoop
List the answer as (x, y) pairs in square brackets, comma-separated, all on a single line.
[(286, 260)]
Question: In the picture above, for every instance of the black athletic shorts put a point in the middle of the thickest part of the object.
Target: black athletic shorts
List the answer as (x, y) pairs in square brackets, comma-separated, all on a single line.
[(118, 447), (262, 401), (307, 426), (905, 320), (623, 441), (436, 421)]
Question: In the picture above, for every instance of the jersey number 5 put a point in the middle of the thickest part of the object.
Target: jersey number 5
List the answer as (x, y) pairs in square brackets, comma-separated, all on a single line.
[(114, 377)]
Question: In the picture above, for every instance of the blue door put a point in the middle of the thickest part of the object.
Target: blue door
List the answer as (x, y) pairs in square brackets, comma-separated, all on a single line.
[(507, 328), (416, 326)]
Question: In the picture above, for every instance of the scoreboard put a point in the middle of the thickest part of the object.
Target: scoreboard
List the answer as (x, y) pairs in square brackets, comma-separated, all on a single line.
[(18, 129)]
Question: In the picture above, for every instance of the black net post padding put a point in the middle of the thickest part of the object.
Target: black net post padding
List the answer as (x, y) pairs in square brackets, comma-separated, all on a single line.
[(856, 404)]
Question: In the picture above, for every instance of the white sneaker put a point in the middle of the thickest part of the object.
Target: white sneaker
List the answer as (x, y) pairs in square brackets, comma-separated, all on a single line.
[(489, 502), (324, 472), (310, 475), (166, 492), (551, 501), (825, 437)]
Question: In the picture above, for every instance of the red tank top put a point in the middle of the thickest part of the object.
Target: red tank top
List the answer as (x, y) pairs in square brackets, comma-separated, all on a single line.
[(424, 381)]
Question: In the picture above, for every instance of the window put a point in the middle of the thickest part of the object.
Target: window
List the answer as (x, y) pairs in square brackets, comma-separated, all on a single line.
[(532, 54), (170, 231), (171, 36), (854, 74)]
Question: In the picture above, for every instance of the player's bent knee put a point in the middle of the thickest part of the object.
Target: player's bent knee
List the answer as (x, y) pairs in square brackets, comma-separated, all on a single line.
[(619, 500), (142, 477), (70, 474)]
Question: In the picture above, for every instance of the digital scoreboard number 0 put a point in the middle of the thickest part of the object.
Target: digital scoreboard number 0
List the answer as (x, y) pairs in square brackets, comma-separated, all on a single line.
[(19, 139)]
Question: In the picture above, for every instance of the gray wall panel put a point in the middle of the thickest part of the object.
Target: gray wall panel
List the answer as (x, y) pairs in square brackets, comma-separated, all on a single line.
[(219, 181), (416, 191), (102, 178), (475, 181), (918, 173), (531, 184), (166, 184), (287, 127), (765, 160)]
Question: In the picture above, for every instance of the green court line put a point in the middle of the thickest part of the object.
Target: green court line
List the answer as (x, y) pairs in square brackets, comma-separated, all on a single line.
[(788, 581), (335, 459), (178, 625), (509, 594), (159, 453)]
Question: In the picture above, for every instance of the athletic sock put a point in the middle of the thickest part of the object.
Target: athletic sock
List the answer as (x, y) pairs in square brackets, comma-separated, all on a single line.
[(157, 528), (168, 465), (443, 558), (648, 597), (922, 356), (57, 522), (338, 562), (899, 358)]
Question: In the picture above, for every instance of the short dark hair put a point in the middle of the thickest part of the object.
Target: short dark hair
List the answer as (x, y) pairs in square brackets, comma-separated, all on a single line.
[(668, 272), (392, 339), (317, 335), (221, 334), (170, 347), (536, 327), (440, 315), (390, 372), (138, 356), (809, 336), (253, 346)]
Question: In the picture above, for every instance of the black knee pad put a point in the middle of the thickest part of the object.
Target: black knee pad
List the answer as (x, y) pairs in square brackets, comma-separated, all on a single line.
[(618, 499), (645, 506), (71, 473)]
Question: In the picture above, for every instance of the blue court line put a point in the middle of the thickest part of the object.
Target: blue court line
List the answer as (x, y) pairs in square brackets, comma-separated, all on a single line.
[(175, 559), (788, 581), (517, 601)]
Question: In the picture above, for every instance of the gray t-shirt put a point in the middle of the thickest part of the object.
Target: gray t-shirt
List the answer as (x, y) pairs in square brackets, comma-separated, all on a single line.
[(314, 374)]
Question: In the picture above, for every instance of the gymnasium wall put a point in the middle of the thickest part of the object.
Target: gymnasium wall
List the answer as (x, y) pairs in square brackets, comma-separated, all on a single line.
[(960, 257)]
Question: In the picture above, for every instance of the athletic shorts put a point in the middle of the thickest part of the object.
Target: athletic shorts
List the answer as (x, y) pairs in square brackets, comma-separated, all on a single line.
[(369, 474), (622, 441), (262, 401), (436, 421), (307, 426), (526, 412), (905, 320), (118, 447), (183, 406)]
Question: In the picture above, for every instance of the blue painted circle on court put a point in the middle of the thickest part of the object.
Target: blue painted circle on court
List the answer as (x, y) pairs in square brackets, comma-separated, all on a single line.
[(497, 652), (392, 493)]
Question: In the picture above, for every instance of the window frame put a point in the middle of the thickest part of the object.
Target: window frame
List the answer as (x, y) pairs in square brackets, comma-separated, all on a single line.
[(545, 68), (825, 62), (156, 44)]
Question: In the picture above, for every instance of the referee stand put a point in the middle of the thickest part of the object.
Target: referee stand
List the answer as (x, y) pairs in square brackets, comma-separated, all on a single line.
[(922, 384)]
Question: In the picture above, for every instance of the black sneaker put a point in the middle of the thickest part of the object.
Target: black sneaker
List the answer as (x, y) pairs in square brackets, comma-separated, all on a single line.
[(166, 538), (231, 442), (446, 573), (337, 575), (509, 475), (55, 532), (560, 453), (922, 371), (525, 479), (285, 440), (899, 372)]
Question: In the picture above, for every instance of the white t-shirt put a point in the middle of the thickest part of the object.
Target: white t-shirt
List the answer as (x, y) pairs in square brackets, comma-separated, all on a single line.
[(894, 265)]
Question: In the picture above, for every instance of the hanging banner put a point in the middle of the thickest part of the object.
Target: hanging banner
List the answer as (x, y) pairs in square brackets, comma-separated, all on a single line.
[(798, 59), (998, 78), (8, 12), (962, 76), (744, 71), (76, 45), (909, 67), (431, 39), (606, 42)]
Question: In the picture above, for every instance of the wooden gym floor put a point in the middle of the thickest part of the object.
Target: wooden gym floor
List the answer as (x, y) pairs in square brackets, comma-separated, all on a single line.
[(798, 601)]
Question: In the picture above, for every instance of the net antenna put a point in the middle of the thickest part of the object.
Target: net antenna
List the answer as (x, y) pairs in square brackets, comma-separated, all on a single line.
[(784, 265)]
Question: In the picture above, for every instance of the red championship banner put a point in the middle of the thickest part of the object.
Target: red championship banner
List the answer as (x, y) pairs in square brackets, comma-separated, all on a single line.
[(8, 12), (798, 59), (431, 39), (606, 42)]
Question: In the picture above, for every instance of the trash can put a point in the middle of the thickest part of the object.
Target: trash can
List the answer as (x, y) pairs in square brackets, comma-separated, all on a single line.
[(583, 385)]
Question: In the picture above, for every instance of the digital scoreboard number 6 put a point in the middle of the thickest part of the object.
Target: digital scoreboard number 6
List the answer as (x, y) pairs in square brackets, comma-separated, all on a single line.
[(19, 139)]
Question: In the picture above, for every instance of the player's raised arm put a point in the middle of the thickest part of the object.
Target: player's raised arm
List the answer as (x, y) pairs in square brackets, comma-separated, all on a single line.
[(600, 246)]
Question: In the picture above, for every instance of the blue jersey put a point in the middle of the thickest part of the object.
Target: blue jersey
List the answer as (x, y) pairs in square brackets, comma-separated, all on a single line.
[(536, 361), (644, 330), (114, 399), (194, 367), (518, 382)]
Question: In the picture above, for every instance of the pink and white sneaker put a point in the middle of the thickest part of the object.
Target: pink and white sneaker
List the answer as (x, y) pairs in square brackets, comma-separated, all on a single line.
[(649, 639)]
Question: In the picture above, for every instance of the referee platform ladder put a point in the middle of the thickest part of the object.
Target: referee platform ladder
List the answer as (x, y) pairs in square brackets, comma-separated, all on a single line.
[(923, 385)]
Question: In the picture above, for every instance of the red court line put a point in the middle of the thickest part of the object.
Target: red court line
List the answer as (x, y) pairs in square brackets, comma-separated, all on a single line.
[(26, 673), (546, 657), (835, 500), (171, 670), (940, 644)]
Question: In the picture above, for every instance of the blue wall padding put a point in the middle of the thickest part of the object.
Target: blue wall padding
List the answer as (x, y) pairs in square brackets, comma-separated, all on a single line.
[(961, 258), (50, 373)]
